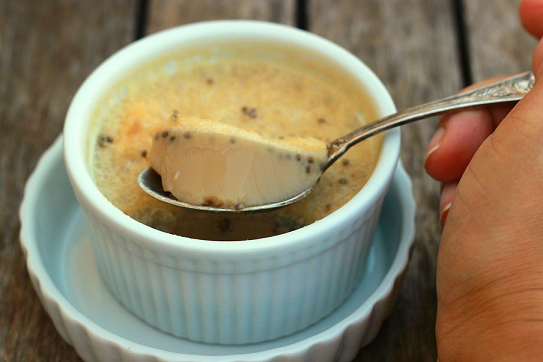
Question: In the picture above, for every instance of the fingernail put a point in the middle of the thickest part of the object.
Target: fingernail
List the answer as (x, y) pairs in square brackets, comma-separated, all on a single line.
[(436, 141), (443, 214)]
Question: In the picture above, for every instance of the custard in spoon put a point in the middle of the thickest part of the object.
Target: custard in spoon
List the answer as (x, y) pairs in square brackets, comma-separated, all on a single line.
[(212, 164)]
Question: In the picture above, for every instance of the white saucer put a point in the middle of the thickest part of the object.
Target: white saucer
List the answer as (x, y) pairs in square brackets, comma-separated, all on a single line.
[(62, 267)]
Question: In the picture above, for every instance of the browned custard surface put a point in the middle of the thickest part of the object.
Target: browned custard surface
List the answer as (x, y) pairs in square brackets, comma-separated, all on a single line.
[(276, 96)]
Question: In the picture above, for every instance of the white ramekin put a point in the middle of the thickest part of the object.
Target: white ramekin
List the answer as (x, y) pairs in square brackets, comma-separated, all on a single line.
[(227, 292)]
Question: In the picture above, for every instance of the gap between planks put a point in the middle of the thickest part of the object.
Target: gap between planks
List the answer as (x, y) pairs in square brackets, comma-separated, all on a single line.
[(302, 19)]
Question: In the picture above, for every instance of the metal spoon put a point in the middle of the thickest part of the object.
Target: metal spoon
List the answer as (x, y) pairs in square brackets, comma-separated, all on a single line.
[(506, 90)]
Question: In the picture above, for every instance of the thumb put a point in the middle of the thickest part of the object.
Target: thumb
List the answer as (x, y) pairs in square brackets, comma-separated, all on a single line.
[(527, 117), (537, 61), (505, 173), (490, 262)]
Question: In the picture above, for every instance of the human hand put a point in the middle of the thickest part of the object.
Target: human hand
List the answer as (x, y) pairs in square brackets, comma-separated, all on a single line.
[(490, 263)]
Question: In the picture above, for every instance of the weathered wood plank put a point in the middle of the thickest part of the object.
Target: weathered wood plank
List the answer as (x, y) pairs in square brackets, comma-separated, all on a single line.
[(497, 42), (46, 50), (411, 45), (165, 14)]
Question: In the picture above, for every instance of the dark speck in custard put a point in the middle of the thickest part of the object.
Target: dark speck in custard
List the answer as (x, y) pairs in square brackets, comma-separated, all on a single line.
[(308, 169), (172, 138), (310, 160), (343, 181), (328, 207), (144, 153), (157, 136), (165, 134), (298, 158), (251, 112), (104, 140), (345, 161), (288, 157), (232, 140), (285, 224), (212, 201), (321, 121), (175, 115), (224, 225), (281, 137), (187, 135), (209, 81)]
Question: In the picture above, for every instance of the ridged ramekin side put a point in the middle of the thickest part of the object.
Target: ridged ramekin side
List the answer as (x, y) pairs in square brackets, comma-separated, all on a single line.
[(267, 300)]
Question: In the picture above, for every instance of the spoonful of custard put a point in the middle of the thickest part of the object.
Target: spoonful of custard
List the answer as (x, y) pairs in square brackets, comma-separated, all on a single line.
[(216, 167)]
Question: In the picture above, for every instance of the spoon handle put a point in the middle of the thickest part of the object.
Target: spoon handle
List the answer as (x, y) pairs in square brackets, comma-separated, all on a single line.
[(510, 89)]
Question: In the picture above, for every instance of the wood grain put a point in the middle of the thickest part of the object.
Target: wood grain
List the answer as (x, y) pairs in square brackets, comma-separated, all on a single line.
[(497, 42), (164, 14), (411, 45), (46, 50)]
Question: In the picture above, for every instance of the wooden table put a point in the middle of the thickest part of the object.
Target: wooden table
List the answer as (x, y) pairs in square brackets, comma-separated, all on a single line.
[(421, 49)]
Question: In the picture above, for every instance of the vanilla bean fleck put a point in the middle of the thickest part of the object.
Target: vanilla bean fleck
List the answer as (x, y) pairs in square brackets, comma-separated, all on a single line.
[(104, 140), (224, 225), (251, 112)]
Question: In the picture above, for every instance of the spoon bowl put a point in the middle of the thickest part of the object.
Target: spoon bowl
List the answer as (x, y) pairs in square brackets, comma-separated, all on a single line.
[(151, 182), (507, 90)]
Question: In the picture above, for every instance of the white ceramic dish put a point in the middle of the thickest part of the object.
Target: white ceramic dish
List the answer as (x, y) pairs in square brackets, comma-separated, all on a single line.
[(246, 291), (64, 273)]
